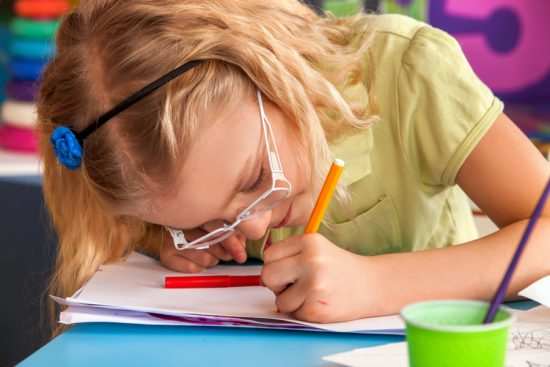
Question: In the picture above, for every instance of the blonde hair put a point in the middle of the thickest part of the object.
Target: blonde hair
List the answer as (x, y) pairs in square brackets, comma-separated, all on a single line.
[(108, 49)]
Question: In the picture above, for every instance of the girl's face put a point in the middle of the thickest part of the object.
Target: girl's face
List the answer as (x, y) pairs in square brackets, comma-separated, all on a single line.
[(227, 169)]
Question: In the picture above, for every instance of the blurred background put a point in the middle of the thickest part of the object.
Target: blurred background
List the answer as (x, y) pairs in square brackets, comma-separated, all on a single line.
[(506, 42)]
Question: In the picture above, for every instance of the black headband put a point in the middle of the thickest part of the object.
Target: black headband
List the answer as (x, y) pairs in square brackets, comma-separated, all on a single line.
[(68, 143), (136, 97)]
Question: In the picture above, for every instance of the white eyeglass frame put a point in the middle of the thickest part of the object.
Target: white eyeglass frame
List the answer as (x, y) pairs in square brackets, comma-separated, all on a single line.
[(227, 230)]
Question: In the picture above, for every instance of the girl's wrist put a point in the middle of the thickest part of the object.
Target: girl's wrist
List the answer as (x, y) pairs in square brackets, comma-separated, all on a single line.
[(376, 287)]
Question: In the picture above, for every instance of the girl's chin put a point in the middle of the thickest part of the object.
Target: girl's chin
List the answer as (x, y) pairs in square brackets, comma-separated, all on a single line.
[(297, 221)]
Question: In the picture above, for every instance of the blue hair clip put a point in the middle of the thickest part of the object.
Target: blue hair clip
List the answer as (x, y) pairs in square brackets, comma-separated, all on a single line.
[(66, 147)]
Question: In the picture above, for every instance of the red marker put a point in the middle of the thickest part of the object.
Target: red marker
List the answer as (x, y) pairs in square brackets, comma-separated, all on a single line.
[(212, 281)]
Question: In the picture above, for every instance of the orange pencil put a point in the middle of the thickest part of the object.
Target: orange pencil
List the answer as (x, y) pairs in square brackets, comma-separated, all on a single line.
[(324, 196)]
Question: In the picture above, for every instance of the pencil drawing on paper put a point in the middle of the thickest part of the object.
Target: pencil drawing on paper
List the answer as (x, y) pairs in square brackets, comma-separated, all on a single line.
[(534, 338), (533, 364)]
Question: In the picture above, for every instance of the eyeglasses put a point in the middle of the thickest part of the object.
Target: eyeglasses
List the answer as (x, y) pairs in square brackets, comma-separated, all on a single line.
[(279, 191)]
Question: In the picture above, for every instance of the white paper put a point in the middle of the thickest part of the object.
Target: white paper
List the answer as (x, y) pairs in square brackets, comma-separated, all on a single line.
[(529, 346), (539, 291), (18, 164), (137, 284), (82, 314), (388, 355)]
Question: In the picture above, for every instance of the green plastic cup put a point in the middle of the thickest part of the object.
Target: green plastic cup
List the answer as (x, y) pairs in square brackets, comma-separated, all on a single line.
[(449, 333)]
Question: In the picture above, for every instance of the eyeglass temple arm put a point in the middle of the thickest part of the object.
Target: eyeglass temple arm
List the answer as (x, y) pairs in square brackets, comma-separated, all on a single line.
[(274, 161)]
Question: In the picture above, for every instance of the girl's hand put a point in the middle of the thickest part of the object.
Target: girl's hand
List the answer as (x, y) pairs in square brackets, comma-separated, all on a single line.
[(195, 261), (317, 281)]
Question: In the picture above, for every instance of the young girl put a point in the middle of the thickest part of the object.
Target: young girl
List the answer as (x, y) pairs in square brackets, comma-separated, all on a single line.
[(202, 131)]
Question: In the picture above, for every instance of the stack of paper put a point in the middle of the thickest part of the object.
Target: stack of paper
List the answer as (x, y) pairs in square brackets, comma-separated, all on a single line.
[(528, 346), (539, 291), (132, 291)]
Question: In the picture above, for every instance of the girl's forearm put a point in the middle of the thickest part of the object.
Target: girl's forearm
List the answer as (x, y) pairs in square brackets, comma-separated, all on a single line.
[(471, 270)]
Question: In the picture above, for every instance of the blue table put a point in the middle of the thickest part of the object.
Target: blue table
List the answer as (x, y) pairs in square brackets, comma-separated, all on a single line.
[(105, 344), (136, 345)]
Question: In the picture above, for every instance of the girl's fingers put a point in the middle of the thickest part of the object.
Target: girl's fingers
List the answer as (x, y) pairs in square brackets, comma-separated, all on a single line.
[(202, 258), (235, 245), (282, 249), (194, 261), (219, 252), (291, 299), (188, 261), (278, 275), (179, 263)]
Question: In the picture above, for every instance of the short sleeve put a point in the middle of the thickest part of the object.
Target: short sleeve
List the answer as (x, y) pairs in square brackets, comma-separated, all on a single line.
[(444, 109)]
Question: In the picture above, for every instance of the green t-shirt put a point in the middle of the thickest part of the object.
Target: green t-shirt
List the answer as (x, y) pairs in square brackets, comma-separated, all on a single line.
[(401, 172)]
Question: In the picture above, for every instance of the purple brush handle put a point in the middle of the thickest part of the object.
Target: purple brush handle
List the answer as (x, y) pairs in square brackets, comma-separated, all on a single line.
[(499, 296)]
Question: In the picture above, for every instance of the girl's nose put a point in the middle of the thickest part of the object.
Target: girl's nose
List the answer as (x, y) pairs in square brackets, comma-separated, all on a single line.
[(254, 229)]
